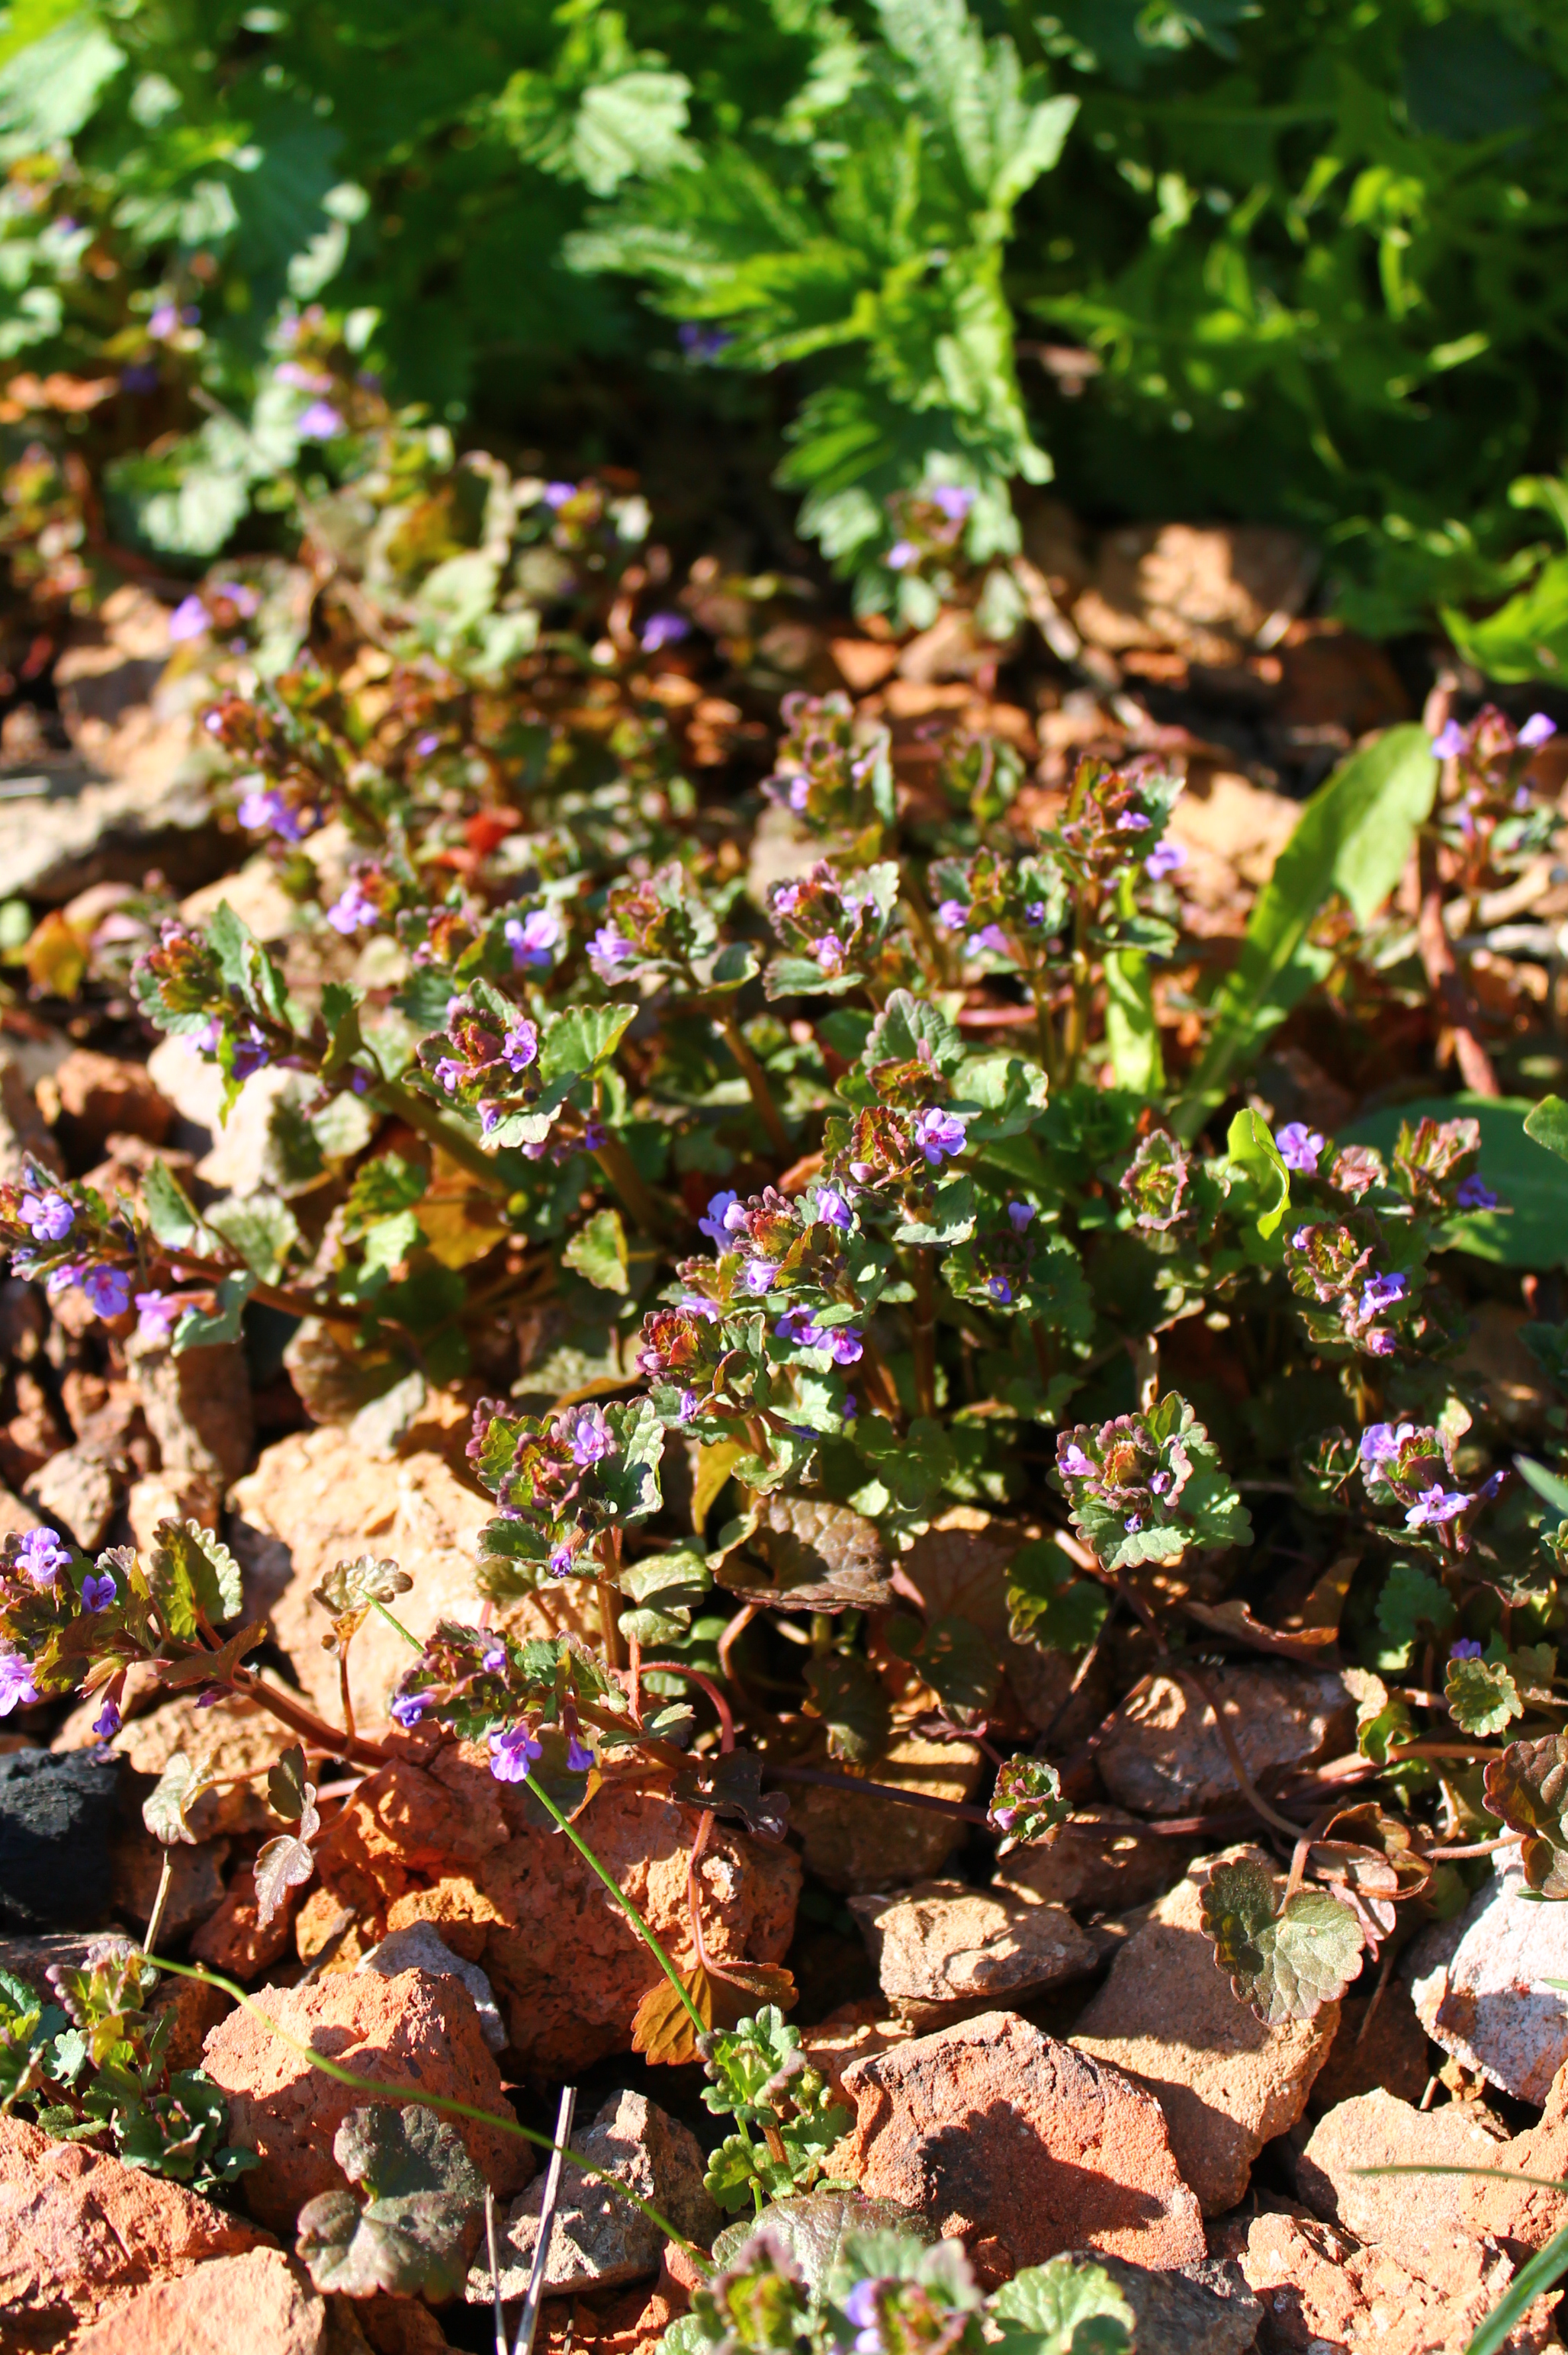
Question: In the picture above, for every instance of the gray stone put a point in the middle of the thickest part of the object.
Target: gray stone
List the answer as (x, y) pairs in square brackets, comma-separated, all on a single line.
[(1491, 2003), (942, 1949), (600, 2240), (1160, 1753), (56, 1818), (1204, 2308), (421, 1947)]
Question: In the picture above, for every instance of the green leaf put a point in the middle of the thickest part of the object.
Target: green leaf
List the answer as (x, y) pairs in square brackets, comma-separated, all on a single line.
[(197, 1330), (598, 1252), (48, 89), (1354, 837), (1067, 2307), (355, 1586), (286, 1784), (1527, 638), (1251, 1146), (1050, 1604), (411, 2237), (1547, 1122), (1529, 1231), (1411, 1601), (171, 1213), (1527, 1789), (167, 1805), (579, 1043), (849, 1697), (1287, 1962), (956, 1659), (260, 1228), (1132, 1033), (1481, 1695), (192, 1571)]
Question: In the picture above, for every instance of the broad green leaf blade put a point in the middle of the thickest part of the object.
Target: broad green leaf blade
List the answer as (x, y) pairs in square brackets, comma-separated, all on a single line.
[(1132, 1034), (1518, 1162), (1354, 837), (1547, 1122), (1252, 1147)]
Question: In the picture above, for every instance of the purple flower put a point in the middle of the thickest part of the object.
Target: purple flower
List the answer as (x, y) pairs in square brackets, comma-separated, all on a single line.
[(1449, 742), (108, 1291), (48, 1217), (786, 900), (164, 319), (954, 499), (531, 937), (759, 1275), (1537, 729), (579, 1757), (860, 2308), (299, 378), (594, 1135), (188, 620), (991, 937), (263, 809), (239, 594), (106, 1724), (1035, 913), (1018, 1216), (844, 1344), (953, 915), (1475, 1194), (513, 1752), (715, 1225), (799, 792), (1382, 1292), (1465, 1649), (830, 1208), (665, 630), (1381, 1442), (1000, 1290), (320, 422), (1132, 1521), (42, 1556), (1163, 861), (353, 910), (520, 1047), (1379, 1343), (938, 1134), (250, 1055), (427, 744), (407, 1708), (494, 1660), (158, 1313), (555, 495), (688, 1407), (98, 1594), (448, 1072), (16, 1685), (828, 951), (1435, 1504), (902, 555), (1299, 1147), (1074, 1463), (700, 343), (61, 1279), (1132, 821), (611, 947), (560, 1561), (588, 1434), (1302, 1237)]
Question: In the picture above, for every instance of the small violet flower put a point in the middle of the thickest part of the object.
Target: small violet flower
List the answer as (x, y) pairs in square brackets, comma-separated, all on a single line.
[(1380, 1442), (760, 1273), (1449, 742), (1019, 1215), (265, 810), (108, 1291), (1000, 1290), (664, 630), (106, 1724), (953, 915), (1299, 1147), (1381, 1293), (938, 1134), (1466, 1648), (1475, 1194), (48, 1217), (320, 422), (1076, 1464), (588, 1435), (16, 1685), (250, 1055), (1132, 821), (713, 1225), (42, 1556), (353, 910), (188, 620), (860, 2309), (407, 1710), (520, 1047), (611, 947), (579, 1757), (1163, 861), (98, 1594), (1536, 731), (830, 1208), (531, 937), (1435, 1504), (513, 1752), (158, 1313)]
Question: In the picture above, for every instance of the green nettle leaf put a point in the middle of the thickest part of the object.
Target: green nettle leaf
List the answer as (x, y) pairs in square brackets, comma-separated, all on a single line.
[(171, 1214), (413, 2234), (167, 1807), (1287, 1962), (286, 1862), (286, 1784), (598, 1252), (262, 1230), (1050, 1604), (1067, 2307), (1252, 1147), (1027, 1804), (848, 1696), (1481, 1695), (956, 1659), (197, 1330), (190, 1571), (816, 1556), (354, 1585), (1527, 1789), (1412, 1603), (579, 1043), (1547, 1122)]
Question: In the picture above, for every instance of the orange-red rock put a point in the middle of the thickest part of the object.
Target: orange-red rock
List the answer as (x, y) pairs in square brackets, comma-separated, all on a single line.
[(410, 2030), (79, 2232), (1002, 2135), (234, 1939), (235, 2305)]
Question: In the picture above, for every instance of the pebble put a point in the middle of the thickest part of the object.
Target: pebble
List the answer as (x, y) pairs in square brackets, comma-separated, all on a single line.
[(1160, 1753), (57, 1823), (1490, 2003), (943, 1948), (257, 2302), (419, 1947)]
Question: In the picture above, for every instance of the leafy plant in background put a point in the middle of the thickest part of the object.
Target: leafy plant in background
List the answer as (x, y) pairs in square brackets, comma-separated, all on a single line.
[(1307, 260)]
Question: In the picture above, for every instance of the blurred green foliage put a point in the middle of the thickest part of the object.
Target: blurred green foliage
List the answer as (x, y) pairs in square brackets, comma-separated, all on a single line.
[(1200, 256)]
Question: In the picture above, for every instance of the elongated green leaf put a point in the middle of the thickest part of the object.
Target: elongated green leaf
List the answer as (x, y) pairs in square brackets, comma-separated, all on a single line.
[(1547, 1122), (1132, 1034), (1251, 1144), (1354, 837), (1543, 2271)]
